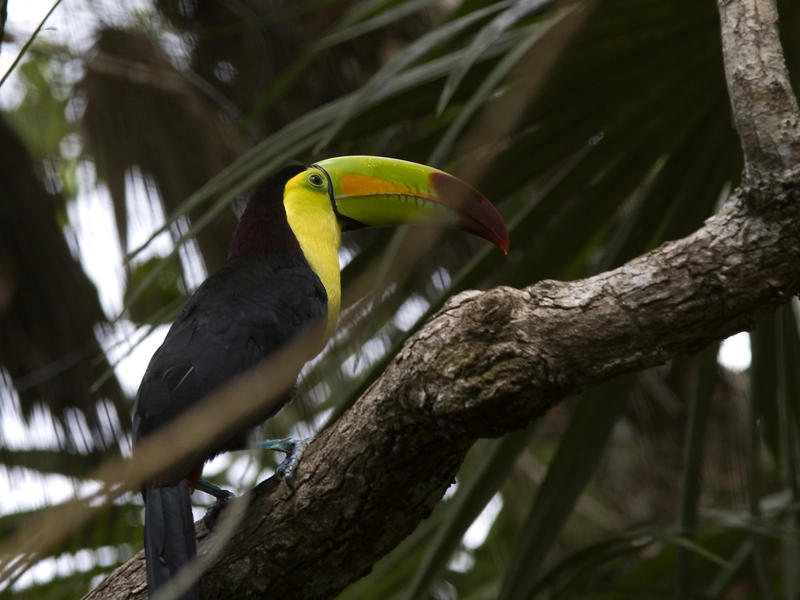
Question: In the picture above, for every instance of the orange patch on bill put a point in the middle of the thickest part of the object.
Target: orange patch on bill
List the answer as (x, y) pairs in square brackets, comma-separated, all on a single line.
[(355, 184)]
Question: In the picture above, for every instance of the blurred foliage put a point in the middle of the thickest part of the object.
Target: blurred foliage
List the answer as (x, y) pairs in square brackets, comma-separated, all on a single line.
[(41, 119), (600, 129), (164, 291)]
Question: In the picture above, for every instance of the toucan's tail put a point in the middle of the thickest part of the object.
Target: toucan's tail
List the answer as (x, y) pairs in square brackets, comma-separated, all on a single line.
[(169, 541)]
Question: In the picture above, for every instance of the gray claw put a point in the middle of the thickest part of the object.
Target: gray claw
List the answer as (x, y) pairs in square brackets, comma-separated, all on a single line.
[(289, 464), (294, 451)]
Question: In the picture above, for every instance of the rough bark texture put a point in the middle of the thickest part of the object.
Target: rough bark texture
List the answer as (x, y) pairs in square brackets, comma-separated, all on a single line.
[(490, 362), (761, 95)]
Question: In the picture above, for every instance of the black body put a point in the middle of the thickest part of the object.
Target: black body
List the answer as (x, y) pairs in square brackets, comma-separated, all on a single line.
[(239, 316)]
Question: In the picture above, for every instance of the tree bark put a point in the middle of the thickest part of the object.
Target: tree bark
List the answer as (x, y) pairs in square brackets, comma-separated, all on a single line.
[(489, 362), (761, 96)]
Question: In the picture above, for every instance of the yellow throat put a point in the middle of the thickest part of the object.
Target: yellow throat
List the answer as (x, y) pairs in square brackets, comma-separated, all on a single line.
[(311, 217)]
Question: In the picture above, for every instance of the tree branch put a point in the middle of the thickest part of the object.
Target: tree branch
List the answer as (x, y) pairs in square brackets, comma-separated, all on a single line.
[(764, 105), (490, 362)]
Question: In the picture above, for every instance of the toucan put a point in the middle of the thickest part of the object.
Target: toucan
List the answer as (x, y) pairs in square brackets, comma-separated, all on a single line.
[(281, 276)]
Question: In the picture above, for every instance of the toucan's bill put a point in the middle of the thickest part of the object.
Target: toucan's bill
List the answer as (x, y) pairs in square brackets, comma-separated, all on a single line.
[(373, 190)]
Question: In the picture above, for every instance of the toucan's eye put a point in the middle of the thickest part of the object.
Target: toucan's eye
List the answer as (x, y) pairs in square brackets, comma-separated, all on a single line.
[(316, 180)]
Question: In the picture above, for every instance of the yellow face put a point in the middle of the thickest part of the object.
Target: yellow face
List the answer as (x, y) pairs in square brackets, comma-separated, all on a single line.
[(311, 217), (312, 181)]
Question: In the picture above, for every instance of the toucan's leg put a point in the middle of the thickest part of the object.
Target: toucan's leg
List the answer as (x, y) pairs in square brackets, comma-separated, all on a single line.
[(222, 496), (293, 450), (213, 489)]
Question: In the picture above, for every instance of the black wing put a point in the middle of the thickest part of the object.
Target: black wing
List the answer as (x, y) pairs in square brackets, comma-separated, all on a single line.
[(240, 315)]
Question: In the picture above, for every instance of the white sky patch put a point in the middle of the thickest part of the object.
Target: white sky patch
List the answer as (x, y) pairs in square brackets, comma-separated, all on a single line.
[(194, 269), (77, 429), (243, 469), (346, 254), (129, 349), (734, 352), (317, 394), (480, 528), (450, 492), (72, 24), (145, 216), (299, 431), (463, 560), (178, 47), (320, 418), (370, 352), (217, 464), (38, 432), (30, 490), (441, 279), (410, 312), (66, 564), (91, 217)]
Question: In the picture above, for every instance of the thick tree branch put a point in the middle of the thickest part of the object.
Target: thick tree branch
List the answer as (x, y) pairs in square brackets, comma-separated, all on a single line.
[(761, 95), (490, 362)]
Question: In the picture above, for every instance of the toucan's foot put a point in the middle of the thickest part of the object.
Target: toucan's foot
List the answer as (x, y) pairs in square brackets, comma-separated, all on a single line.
[(293, 449), (222, 496), (212, 489)]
